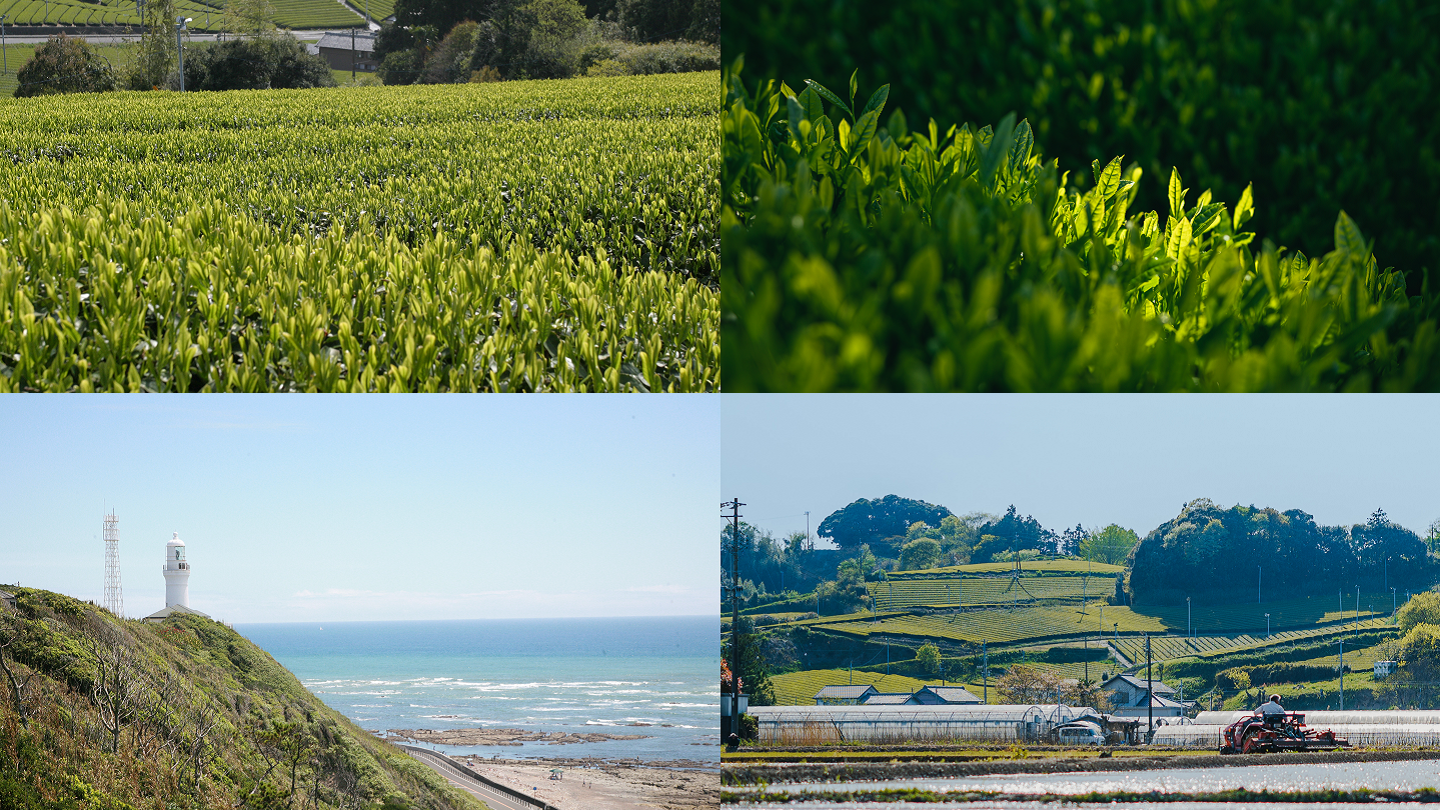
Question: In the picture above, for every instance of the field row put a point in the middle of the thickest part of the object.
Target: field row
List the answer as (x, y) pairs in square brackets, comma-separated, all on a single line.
[(1069, 566), (1168, 647), (1013, 625), (991, 590), (294, 14)]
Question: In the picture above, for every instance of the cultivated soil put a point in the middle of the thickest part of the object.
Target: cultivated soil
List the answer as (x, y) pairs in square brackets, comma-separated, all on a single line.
[(868, 771), (597, 784)]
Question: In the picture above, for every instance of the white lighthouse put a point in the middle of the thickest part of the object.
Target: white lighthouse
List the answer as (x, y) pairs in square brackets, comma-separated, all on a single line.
[(177, 573)]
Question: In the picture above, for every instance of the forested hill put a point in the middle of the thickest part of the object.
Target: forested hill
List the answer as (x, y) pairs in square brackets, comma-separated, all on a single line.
[(1213, 554), (104, 713)]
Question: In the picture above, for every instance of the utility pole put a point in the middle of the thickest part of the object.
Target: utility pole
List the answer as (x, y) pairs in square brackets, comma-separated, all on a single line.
[(1189, 628), (1267, 625), (1342, 674), (985, 670), (1149, 694), (1357, 608), (352, 79), (808, 545), (4, 55), (1259, 577), (734, 517)]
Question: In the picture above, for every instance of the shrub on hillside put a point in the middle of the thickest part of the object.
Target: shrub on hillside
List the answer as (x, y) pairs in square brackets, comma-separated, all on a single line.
[(1420, 651), (450, 62), (659, 57), (1423, 608), (65, 65)]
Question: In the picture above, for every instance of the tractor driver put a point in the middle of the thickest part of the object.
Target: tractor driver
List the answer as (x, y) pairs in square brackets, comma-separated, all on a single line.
[(1272, 711)]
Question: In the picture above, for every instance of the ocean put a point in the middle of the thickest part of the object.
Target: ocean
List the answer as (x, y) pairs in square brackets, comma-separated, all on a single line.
[(653, 676)]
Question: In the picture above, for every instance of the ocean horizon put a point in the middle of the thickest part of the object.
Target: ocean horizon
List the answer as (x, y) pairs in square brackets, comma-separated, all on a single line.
[(655, 676)]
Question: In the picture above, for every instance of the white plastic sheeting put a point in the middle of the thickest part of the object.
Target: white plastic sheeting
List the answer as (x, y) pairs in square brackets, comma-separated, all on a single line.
[(808, 725), (1420, 728)]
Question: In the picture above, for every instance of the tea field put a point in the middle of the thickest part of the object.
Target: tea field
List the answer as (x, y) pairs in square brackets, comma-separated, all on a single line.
[(520, 236), (1017, 625)]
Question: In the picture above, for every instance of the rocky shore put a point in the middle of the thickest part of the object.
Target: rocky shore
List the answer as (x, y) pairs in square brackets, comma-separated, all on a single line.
[(500, 736)]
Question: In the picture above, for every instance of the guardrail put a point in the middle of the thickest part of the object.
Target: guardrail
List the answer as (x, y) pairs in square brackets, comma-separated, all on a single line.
[(507, 790)]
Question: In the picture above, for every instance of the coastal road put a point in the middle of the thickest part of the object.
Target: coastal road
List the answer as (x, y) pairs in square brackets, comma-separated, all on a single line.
[(460, 777)]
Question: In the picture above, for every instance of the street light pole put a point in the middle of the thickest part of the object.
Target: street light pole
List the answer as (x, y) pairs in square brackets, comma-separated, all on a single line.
[(734, 517), (1189, 628), (180, 46), (1259, 577), (1267, 625)]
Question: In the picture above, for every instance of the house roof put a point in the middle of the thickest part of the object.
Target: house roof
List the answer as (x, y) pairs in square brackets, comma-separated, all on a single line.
[(846, 692), (888, 699), (1158, 687), (1157, 701), (168, 610), (952, 694), (341, 41)]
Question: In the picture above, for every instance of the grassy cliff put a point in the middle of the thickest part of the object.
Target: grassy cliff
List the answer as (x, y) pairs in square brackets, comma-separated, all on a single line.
[(104, 713)]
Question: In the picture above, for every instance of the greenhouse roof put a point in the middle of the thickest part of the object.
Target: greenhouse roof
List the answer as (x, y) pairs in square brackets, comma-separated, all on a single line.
[(991, 713)]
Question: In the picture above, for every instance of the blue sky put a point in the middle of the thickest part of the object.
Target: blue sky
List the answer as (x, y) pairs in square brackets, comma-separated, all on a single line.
[(313, 508), (1088, 459)]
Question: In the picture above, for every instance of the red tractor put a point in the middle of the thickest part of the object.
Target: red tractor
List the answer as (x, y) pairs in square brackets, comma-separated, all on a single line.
[(1277, 732)]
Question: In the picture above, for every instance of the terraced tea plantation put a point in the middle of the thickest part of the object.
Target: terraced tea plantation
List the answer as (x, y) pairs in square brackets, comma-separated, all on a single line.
[(992, 590), (507, 237), (208, 15), (1041, 567), (1008, 626), (799, 688), (1167, 648)]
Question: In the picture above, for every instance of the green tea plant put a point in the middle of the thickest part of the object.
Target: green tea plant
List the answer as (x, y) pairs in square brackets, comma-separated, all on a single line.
[(1322, 105), (864, 257), (535, 236)]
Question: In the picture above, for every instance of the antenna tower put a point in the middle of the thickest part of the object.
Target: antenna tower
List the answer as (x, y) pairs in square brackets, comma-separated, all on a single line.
[(114, 601)]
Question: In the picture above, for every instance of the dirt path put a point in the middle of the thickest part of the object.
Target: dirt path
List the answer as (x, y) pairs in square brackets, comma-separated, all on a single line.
[(604, 785)]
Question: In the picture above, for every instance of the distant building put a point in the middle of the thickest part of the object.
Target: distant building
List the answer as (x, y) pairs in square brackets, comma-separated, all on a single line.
[(342, 52), (1127, 690), (844, 695), (173, 610), (8, 598), (945, 695), (888, 699), (1160, 706), (1384, 669)]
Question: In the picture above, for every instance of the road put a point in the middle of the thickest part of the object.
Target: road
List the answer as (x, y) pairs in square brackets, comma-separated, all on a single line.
[(458, 776)]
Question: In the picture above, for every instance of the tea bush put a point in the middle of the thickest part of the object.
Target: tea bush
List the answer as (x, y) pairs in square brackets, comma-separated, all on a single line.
[(1322, 104), (860, 257)]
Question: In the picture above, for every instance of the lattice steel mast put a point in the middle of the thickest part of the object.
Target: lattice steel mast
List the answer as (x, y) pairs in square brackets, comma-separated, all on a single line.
[(114, 599)]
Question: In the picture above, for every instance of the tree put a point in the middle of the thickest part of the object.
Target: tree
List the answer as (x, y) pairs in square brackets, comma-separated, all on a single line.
[(540, 40), (255, 64), (866, 522), (1423, 608), (1110, 545), (920, 554), (928, 657), (157, 55), (1025, 684), (64, 65), (1432, 536), (249, 18), (21, 695), (291, 744), (450, 63), (1011, 532), (116, 687), (754, 676), (1420, 651)]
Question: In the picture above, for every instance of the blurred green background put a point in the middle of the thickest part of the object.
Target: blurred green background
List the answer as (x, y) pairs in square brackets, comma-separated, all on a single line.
[(1324, 105)]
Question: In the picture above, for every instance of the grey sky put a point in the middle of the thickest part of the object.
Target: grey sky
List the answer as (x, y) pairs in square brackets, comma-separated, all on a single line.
[(1087, 459), (364, 508)]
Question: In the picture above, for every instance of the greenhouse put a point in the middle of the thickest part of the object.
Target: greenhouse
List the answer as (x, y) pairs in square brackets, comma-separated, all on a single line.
[(813, 725), (1420, 728)]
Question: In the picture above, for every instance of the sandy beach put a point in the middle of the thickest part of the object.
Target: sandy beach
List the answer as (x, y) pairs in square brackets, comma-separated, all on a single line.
[(596, 784)]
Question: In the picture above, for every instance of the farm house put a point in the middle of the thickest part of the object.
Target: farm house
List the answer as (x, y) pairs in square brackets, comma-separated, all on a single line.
[(809, 725), (1420, 728)]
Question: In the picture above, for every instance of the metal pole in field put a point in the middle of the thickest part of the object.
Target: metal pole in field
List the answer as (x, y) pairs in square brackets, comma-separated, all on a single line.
[(1259, 577), (3, 54), (1342, 674), (734, 516), (180, 46), (1267, 625), (1149, 694), (352, 78), (1189, 631), (985, 669)]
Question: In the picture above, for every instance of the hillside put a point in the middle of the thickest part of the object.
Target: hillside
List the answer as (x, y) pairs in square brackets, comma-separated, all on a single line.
[(104, 713)]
